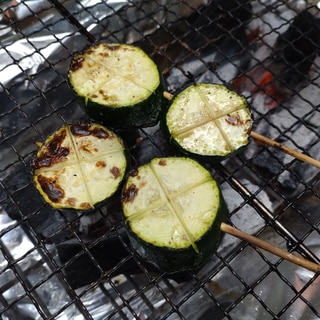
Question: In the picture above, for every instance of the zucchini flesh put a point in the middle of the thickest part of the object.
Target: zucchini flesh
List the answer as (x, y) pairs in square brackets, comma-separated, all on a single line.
[(80, 165), (173, 210), (119, 84), (209, 120)]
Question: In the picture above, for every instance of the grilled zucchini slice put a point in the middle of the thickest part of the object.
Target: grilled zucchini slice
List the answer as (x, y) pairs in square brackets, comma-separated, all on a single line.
[(79, 166), (208, 121), (119, 85), (173, 210)]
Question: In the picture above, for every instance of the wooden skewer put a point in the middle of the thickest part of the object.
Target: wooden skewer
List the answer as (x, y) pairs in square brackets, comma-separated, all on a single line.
[(167, 95), (270, 248), (285, 149), (254, 240)]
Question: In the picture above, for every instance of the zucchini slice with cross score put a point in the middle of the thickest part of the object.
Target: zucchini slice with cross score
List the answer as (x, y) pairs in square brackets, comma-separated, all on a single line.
[(119, 84), (208, 121), (173, 210), (80, 165)]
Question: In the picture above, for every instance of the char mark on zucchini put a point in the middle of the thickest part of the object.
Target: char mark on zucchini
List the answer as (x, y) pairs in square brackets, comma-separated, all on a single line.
[(79, 166), (173, 210)]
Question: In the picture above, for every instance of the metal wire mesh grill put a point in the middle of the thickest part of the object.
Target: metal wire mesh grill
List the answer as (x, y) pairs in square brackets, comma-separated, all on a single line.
[(57, 264)]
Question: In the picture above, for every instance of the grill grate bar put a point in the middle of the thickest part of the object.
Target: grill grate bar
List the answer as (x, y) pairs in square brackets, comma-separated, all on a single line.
[(292, 241), (65, 13), (38, 100)]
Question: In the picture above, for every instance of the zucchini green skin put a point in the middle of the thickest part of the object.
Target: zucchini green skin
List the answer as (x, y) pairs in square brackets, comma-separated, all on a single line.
[(210, 155), (171, 260), (199, 157), (118, 85), (143, 114), (167, 254)]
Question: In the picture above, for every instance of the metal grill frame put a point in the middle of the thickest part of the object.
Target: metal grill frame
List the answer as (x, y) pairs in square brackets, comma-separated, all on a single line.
[(19, 188)]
